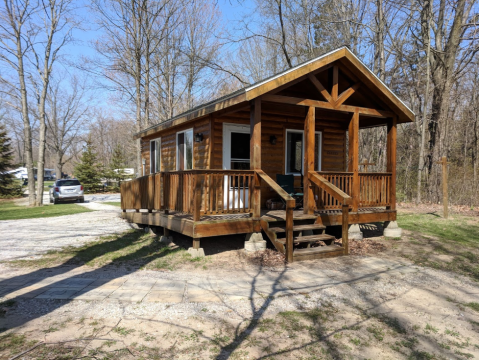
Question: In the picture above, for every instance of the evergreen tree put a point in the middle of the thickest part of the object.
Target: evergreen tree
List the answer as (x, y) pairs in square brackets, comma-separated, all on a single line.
[(117, 166), (8, 186), (89, 171)]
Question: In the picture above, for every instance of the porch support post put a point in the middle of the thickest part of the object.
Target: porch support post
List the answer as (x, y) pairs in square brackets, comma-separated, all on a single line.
[(255, 153), (391, 160), (309, 127), (353, 158)]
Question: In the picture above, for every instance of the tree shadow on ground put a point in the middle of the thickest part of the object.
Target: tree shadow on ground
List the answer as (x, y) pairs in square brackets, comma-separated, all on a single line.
[(145, 253)]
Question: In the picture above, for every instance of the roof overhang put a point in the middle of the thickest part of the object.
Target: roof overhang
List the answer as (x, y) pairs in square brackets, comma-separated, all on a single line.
[(242, 97)]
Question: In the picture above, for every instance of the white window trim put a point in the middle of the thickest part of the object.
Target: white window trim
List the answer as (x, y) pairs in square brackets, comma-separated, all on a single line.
[(152, 171), (320, 133), (192, 150)]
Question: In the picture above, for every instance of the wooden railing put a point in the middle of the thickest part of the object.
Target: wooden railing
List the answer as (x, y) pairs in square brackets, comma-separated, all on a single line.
[(374, 189), (290, 205), (339, 195), (196, 192)]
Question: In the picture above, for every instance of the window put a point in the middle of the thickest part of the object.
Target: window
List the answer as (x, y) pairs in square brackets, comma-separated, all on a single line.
[(184, 150), (155, 155), (295, 152), (73, 182)]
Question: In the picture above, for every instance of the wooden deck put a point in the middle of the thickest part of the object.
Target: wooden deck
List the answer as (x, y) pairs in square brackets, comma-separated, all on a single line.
[(227, 224)]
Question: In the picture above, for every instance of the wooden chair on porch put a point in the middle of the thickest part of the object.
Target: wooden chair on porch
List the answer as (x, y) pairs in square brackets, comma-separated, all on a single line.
[(287, 183)]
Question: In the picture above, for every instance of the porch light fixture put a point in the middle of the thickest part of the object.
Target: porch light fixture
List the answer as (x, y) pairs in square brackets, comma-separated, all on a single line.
[(272, 140), (199, 137)]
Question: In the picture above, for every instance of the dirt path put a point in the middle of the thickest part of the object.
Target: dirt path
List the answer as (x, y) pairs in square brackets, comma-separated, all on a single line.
[(356, 307), (360, 307), (31, 237)]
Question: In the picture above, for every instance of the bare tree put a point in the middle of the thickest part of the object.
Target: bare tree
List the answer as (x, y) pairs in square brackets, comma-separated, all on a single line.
[(67, 113), (132, 31), (55, 27), (15, 27)]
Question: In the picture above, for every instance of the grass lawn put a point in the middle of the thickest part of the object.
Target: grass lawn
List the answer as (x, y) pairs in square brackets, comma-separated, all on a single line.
[(10, 211), (451, 244), (114, 203), (132, 248), (46, 184)]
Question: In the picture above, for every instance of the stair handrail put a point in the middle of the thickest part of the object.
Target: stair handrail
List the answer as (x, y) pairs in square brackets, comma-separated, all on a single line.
[(330, 188), (290, 205), (339, 195)]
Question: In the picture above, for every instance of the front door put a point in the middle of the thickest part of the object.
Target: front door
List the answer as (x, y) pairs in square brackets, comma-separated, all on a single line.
[(236, 156)]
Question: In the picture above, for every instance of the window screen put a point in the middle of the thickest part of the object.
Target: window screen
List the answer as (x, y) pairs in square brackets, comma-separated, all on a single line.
[(184, 150)]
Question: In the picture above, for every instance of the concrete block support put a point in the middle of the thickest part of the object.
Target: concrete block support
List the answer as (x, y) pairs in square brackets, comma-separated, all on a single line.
[(254, 242), (165, 239), (196, 252), (392, 230), (354, 232)]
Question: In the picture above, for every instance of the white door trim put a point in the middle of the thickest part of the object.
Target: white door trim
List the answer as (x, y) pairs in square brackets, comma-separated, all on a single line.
[(234, 195), (228, 128)]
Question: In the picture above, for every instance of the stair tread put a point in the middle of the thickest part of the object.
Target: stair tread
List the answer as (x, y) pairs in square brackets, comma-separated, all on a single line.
[(309, 238), (299, 228), (315, 250)]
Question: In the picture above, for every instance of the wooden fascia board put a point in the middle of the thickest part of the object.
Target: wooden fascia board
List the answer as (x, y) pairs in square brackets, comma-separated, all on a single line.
[(384, 93), (193, 115), (304, 70), (325, 105)]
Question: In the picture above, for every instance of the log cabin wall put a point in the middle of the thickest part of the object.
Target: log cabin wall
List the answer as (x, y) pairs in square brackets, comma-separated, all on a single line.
[(273, 156), (201, 150)]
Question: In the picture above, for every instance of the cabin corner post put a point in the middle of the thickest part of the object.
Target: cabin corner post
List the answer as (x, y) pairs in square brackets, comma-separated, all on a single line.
[(391, 160), (353, 157), (255, 153), (309, 137)]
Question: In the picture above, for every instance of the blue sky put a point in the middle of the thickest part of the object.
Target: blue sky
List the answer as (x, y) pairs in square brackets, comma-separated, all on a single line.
[(231, 11)]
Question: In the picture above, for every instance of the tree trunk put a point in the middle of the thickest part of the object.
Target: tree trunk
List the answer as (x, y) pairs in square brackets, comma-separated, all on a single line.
[(422, 143), (27, 130)]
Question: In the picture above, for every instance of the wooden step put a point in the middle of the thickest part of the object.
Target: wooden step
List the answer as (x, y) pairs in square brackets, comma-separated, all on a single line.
[(314, 250), (309, 238), (299, 228), (318, 252)]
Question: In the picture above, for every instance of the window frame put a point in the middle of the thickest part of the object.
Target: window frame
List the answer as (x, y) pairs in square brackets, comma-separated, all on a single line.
[(192, 150), (320, 150), (157, 142)]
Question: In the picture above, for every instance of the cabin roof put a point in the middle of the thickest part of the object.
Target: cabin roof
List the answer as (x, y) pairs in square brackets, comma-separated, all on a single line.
[(250, 92)]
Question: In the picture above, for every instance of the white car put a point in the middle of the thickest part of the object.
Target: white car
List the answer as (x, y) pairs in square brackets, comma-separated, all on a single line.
[(66, 190)]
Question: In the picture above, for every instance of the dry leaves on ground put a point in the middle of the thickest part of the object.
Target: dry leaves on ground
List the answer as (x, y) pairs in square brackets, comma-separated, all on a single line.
[(364, 247), (268, 257)]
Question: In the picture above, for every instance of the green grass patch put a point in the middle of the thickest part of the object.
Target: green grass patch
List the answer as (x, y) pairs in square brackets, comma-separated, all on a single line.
[(114, 203), (132, 248), (433, 236), (473, 305), (46, 185), (459, 230), (14, 343), (10, 211)]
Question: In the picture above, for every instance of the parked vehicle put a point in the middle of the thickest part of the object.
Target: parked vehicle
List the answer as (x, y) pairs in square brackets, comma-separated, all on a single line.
[(66, 190)]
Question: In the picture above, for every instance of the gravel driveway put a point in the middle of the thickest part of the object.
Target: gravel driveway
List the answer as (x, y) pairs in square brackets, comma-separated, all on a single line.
[(31, 237)]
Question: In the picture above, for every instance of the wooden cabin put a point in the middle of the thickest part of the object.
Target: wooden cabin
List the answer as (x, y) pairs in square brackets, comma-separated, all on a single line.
[(211, 171)]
